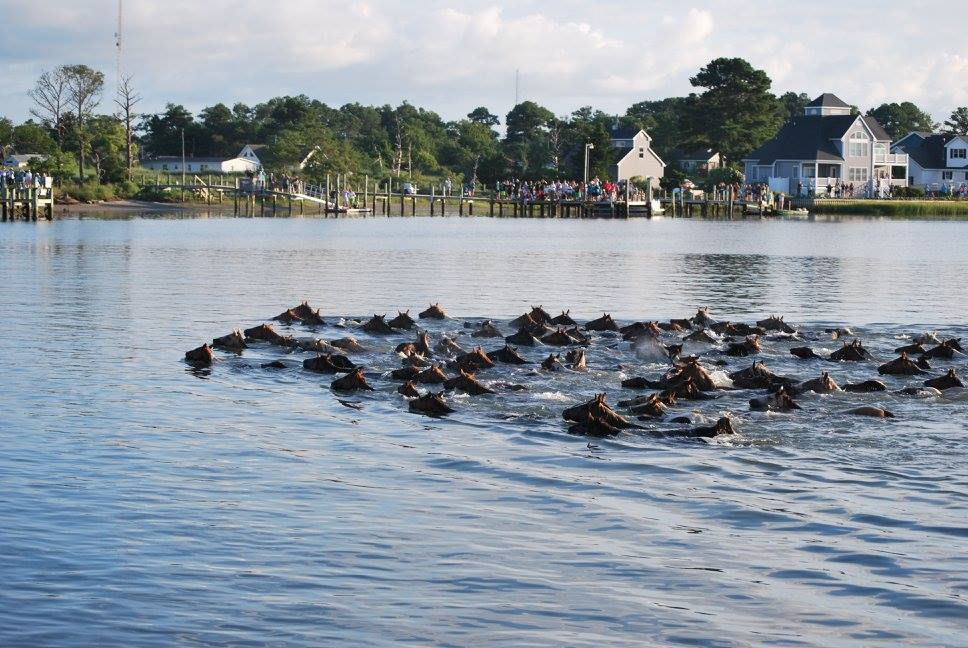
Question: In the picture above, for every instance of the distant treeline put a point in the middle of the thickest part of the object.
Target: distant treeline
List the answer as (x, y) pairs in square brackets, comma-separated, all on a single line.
[(732, 111)]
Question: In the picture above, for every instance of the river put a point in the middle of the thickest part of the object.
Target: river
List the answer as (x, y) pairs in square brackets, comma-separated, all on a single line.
[(148, 504)]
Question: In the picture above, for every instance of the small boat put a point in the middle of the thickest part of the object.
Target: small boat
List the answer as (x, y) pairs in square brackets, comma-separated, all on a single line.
[(793, 213)]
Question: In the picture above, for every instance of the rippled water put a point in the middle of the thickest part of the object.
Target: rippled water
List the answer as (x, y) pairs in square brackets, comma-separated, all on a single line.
[(144, 504)]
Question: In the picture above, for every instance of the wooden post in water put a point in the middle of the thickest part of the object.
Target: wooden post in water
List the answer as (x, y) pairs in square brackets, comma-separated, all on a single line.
[(326, 197), (432, 200)]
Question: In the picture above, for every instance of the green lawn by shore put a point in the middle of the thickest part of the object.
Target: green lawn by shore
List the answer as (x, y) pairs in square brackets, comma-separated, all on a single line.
[(900, 208)]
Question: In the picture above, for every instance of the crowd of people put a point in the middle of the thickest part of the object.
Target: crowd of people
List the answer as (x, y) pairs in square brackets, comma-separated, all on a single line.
[(541, 190), (24, 179)]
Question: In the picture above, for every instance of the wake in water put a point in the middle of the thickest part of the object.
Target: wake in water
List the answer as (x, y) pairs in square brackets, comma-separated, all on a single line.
[(694, 378)]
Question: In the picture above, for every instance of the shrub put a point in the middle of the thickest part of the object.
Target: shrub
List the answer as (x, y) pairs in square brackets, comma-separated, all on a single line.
[(908, 192)]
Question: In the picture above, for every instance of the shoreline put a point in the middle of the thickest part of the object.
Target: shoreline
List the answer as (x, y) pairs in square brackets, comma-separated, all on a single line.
[(127, 207), (902, 210)]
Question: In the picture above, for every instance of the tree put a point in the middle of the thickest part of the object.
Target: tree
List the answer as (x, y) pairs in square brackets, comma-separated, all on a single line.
[(792, 105), (126, 100), (84, 87), (899, 119), (51, 95), (482, 115), (32, 138), (163, 132), (108, 142), (6, 137), (957, 124), (664, 121), (526, 139), (736, 112)]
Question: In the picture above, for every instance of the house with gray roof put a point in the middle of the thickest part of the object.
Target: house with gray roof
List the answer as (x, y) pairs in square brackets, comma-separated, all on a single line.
[(828, 146), (22, 161), (699, 161), (635, 157), (935, 160)]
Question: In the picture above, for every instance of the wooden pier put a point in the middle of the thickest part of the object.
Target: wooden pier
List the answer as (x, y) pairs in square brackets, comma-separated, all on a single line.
[(379, 199), (26, 204)]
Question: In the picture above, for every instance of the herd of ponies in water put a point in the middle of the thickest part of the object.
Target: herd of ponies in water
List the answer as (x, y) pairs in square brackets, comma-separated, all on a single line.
[(443, 366)]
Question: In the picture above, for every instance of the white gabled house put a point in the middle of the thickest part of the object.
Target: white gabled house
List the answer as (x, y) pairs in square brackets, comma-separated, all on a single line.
[(246, 160), (635, 155), (828, 147), (937, 160)]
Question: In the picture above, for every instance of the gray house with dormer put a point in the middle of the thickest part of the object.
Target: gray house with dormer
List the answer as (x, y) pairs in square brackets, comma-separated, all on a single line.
[(829, 146), (935, 160)]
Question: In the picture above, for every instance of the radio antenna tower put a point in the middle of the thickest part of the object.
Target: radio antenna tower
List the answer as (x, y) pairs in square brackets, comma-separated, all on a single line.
[(118, 39)]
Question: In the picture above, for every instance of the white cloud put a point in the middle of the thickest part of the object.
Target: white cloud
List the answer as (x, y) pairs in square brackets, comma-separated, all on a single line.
[(452, 57)]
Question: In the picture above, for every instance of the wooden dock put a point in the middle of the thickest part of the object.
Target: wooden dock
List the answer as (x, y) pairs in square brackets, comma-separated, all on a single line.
[(380, 200), (26, 204)]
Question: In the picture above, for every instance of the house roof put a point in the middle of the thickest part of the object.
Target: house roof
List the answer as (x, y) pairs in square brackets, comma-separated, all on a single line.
[(703, 154), (255, 147), (23, 158), (190, 160), (929, 151), (828, 100), (811, 138)]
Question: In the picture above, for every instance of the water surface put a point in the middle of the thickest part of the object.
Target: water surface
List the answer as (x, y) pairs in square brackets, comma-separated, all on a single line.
[(147, 505)]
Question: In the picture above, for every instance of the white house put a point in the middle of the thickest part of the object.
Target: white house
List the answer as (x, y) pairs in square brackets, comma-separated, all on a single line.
[(935, 159), (246, 160), (635, 155)]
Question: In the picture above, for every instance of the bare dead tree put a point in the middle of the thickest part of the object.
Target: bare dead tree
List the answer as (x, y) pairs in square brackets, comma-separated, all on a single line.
[(556, 143), (50, 97), (398, 136), (126, 100)]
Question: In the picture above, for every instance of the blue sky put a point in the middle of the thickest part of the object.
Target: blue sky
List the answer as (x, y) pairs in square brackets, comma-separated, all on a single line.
[(452, 56)]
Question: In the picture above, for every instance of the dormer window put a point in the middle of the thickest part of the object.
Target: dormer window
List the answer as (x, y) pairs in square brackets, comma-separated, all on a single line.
[(958, 153)]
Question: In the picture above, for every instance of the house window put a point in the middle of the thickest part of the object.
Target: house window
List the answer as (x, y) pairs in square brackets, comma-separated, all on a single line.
[(947, 175), (958, 153), (204, 167), (164, 167), (859, 144), (641, 152), (858, 174)]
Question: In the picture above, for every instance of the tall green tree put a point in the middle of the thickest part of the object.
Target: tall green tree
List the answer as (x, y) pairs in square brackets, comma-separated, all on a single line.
[(526, 142), (162, 132), (663, 120), (957, 123), (899, 119), (482, 115), (736, 112), (84, 86)]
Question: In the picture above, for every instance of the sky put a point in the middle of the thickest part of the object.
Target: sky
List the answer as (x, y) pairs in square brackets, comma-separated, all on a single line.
[(451, 56)]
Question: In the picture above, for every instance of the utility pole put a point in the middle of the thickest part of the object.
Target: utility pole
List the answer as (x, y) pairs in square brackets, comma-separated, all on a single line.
[(183, 160), (589, 146)]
